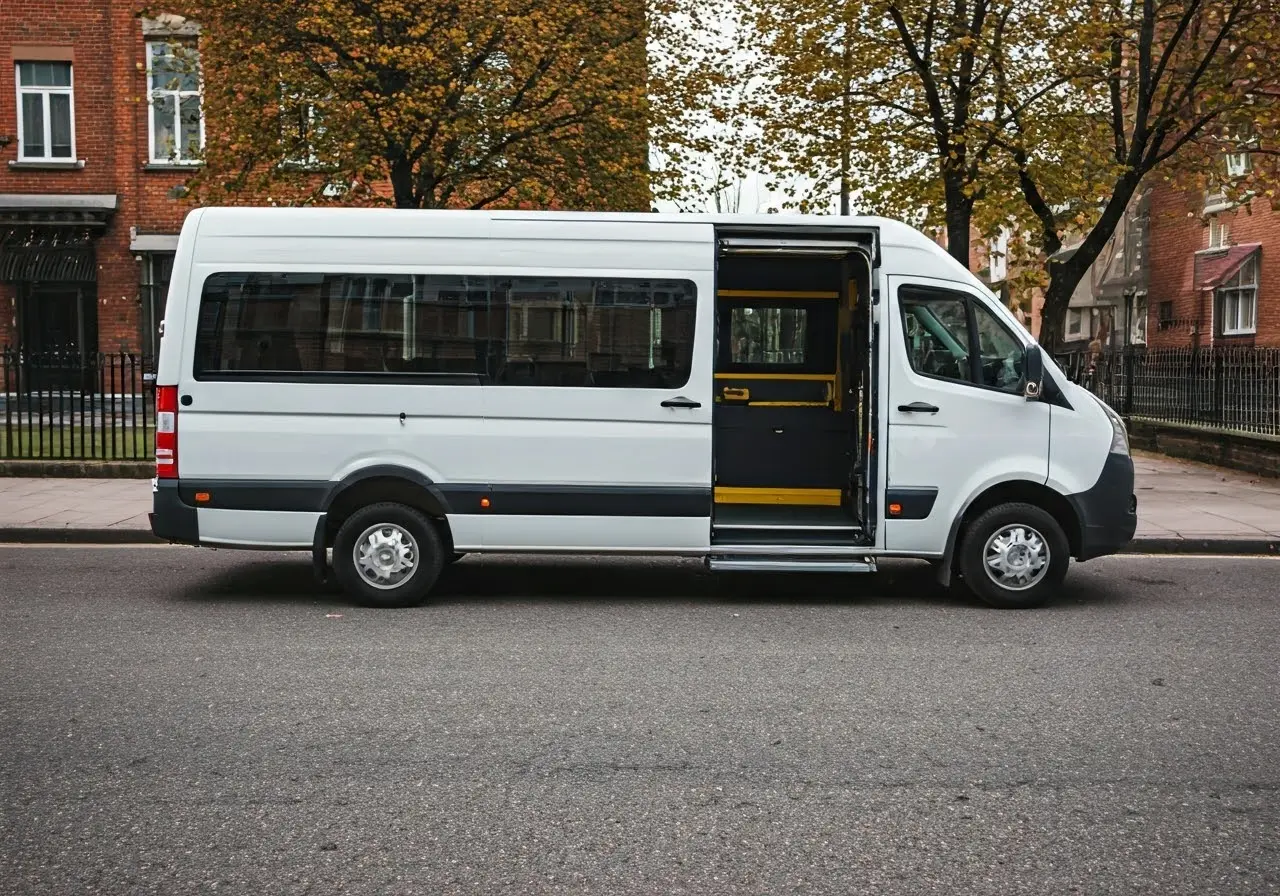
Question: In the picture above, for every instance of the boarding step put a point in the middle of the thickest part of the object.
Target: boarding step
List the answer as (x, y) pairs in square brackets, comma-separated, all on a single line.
[(829, 558), (843, 537), (718, 563)]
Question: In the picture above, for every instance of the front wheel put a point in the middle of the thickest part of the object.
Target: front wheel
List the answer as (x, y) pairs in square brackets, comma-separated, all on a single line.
[(1014, 556), (387, 555)]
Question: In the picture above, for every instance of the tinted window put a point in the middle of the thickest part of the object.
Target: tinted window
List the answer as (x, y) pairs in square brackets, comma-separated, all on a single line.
[(768, 335), (793, 336), (538, 332), (950, 337)]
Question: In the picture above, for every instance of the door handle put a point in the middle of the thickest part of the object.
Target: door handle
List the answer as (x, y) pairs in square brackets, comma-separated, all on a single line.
[(918, 407), (681, 402), (734, 393)]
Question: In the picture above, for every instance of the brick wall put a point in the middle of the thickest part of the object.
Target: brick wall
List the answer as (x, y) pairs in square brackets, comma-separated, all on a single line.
[(105, 45), (1178, 231), (104, 41)]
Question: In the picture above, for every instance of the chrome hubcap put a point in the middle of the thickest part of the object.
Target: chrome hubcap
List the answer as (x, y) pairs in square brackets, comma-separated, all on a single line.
[(386, 556), (1017, 557)]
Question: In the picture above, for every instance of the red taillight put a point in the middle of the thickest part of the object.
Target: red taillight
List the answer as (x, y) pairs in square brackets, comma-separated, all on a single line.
[(166, 432)]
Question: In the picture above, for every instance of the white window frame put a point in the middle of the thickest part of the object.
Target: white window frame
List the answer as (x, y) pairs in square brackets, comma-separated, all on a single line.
[(1237, 164), (153, 93), (1241, 289), (1219, 232), (1084, 319), (301, 103), (45, 93), (998, 257), (1140, 311)]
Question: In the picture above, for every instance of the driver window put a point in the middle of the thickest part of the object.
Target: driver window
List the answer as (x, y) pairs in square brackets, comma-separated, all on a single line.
[(1001, 352), (937, 329), (939, 345)]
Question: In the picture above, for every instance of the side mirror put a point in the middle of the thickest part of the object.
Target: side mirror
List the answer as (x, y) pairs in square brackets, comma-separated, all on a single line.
[(1033, 367)]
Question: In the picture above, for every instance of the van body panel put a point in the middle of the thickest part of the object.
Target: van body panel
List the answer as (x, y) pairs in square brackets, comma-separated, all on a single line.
[(257, 528), (595, 534), (1081, 441), (964, 438), (324, 433)]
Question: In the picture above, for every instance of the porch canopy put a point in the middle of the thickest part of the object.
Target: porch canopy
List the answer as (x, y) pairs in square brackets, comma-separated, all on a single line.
[(49, 237)]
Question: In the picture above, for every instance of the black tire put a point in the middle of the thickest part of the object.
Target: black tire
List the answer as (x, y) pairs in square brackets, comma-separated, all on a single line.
[(413, 589), (972, 559)]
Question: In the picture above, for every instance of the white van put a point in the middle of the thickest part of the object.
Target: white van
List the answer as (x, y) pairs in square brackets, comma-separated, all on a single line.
[(395, 389)]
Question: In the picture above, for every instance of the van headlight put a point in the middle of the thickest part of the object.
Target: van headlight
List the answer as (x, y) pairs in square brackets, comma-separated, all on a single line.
[(1119, 432)]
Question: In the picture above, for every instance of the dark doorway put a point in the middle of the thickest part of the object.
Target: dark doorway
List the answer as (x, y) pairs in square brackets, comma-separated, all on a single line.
[(58, 328)]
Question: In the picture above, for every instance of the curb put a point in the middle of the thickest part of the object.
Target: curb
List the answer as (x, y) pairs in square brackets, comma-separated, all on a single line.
[(69, 536), (1258, 547), (77, 469)]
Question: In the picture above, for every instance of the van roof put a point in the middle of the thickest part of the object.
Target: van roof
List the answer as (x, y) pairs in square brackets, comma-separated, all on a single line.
[(228, 220)]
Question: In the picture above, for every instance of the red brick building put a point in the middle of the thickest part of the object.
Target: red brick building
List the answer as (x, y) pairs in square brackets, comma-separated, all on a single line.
[(96, 140), (1214, 271), (1181, 270), (101, 125)]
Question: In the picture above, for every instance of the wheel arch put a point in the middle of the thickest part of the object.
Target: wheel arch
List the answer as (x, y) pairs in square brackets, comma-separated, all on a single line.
[(384, 483), (1016, 491)]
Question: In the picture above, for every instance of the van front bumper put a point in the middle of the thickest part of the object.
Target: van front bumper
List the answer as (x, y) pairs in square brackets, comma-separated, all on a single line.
[(171, 518), (1108, 512)]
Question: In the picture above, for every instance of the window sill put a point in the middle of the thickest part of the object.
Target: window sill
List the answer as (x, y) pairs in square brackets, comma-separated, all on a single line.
[(1231, 334), (46, 165), (172, 166)]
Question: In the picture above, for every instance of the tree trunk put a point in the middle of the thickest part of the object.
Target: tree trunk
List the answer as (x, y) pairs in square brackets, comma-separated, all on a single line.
[(1054, 312), (401, 170), (1065, 276), (959, 217)]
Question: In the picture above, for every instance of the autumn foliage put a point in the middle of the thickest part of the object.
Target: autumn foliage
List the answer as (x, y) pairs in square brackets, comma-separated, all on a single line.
[(424, 104), (1043, 118)]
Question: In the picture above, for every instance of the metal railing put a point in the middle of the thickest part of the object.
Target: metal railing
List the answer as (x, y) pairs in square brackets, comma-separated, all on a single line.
[(1226, 389), (76, 406), (72, 406)]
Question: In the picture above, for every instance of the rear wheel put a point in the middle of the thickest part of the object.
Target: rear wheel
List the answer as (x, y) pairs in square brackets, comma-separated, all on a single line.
[(387, 555), (1014, 556)]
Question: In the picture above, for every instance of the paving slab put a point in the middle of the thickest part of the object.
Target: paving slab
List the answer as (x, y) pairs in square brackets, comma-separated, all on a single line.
[(1182, 507)]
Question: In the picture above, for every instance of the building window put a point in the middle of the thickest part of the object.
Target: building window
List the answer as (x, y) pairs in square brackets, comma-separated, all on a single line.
[(1238, 300), (157, 268), (1219, 233), (1237, 164), (1079, 323), (46, 117), (1138, 322), (177, 116)]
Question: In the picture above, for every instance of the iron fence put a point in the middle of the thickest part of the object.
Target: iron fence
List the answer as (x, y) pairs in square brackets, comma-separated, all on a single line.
[(73, 406), (1228, 389), (76, 406)]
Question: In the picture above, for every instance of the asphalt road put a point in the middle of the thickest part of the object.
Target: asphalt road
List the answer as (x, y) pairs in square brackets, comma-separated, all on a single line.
[(175, 721)]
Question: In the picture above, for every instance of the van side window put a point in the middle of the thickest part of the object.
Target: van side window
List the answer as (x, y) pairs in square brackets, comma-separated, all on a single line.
[(335, 327), (951, 337)]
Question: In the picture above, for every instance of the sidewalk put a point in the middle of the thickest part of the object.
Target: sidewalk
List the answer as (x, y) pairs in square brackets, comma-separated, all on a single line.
[(1182, 508)]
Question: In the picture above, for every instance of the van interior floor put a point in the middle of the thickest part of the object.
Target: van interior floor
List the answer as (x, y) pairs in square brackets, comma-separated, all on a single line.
[(786, 538)]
